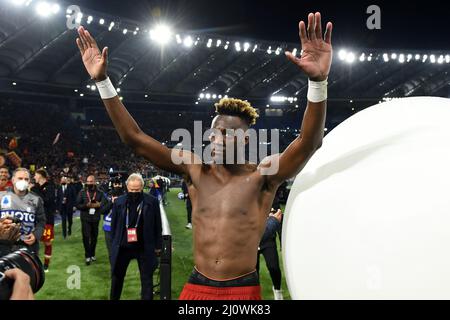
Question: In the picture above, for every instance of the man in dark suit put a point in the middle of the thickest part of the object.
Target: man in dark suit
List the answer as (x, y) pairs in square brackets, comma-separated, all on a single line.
[(136, 233), (66, 197)]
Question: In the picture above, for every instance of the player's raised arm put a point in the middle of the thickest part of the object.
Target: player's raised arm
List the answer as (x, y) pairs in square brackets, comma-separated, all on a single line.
[(315, 62), (96, 63)]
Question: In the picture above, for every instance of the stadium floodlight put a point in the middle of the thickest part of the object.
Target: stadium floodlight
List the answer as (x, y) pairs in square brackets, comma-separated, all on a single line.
[(277, 98), (278, 51), (209, 44), (118, 89), (393, 56), (111, 25), (161, 34), (425, 57), (14, 84), (246, 46), (441, 59), (202, 95), (432, 58), (220, 96), (385, 57), (401, 58), (208, 96), (417, 56), (93, 88), (135, 33), (102, 21), (447, 58), (188, 42), (45, 9), (214, 96), (125, 31), (75, 90), (89, 19), (350, 57), (342, 54), (178, 38), (369, 58), (362, 57), (254, 48), (218, 43), (81, 94), (237, 46), (269, 50)]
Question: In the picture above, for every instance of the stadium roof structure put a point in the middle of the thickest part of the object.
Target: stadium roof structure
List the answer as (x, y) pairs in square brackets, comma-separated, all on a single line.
[(40, 54)]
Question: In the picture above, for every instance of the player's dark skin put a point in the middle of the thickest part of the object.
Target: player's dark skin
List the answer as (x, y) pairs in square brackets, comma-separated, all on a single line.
[(230, 202)]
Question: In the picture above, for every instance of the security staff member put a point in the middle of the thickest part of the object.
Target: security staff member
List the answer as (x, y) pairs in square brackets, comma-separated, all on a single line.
[(136, 234), (92, 203)]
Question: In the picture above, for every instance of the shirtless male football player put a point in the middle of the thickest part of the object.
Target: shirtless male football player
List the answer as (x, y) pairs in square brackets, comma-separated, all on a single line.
[(230, 202)]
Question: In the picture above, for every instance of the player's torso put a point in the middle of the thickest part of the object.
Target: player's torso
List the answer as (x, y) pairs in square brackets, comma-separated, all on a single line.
[(229, 216)]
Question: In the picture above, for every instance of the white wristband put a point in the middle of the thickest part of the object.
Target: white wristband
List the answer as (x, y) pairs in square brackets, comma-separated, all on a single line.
[(317, 91), (106, 89)]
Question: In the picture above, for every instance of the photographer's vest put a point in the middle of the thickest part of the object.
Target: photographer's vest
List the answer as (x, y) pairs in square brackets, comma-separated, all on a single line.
[(23, 208)]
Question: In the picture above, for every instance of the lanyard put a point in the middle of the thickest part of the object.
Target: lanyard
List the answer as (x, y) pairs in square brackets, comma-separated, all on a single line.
[(139, 211), (89, 196)]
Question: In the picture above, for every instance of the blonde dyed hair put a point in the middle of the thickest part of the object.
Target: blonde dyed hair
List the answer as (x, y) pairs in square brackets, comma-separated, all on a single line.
[(239, 108)]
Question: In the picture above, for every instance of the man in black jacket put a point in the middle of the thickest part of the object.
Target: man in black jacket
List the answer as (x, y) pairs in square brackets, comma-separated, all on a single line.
[(136, 234), (92, 203), (65, 200), (46, 190)]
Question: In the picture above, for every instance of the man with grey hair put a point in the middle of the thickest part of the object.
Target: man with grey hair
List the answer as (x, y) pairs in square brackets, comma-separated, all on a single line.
[(25, 206), (136, 233)]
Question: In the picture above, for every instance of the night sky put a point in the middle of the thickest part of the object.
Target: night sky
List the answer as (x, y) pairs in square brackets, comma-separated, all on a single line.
[(404, 24)]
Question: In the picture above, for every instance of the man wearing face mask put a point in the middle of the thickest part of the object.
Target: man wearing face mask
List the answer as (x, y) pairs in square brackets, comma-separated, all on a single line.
[(136, 234), (25, 206), (92, 203)]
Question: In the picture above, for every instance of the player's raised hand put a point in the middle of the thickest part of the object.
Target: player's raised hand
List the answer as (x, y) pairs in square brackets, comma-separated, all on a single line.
[(317, 50), (95, 61)]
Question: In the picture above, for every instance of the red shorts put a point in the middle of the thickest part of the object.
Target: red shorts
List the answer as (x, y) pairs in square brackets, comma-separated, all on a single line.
[(200, 287), (199, 292), (49, 233)]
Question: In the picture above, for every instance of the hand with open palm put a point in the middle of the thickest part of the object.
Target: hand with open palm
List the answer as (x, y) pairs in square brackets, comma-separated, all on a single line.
[(95, 61), (317, 50)]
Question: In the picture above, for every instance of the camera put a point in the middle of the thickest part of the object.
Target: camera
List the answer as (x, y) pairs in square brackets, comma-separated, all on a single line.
[(26, 261)]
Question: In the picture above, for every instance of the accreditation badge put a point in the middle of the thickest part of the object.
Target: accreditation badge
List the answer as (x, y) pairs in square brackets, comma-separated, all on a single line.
[(132, 235)]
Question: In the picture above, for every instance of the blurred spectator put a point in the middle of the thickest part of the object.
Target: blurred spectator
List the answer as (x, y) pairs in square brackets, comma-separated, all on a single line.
[(46, 190), (66, 197)]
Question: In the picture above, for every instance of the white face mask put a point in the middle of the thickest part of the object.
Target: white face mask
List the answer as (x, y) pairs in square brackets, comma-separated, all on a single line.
[(21, 185)]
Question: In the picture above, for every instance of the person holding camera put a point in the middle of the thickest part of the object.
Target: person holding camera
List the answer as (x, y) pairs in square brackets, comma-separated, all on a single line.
[(92, 203), (21, 286), (136, 232), (26, 207)]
